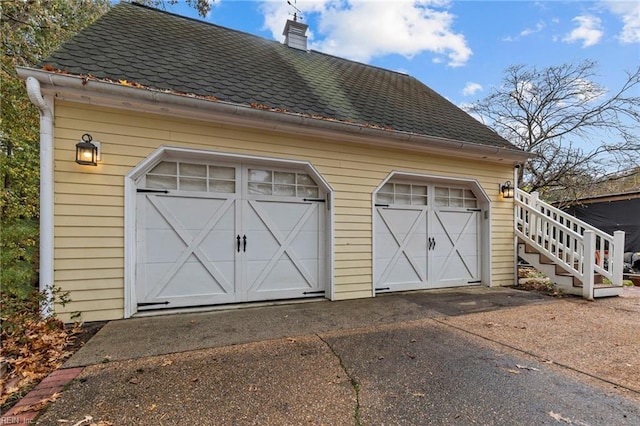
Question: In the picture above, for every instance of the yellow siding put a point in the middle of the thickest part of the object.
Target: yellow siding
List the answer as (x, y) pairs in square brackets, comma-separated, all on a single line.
[(89, 211)]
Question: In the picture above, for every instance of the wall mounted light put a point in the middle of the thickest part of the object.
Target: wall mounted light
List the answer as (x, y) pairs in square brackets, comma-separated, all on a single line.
[(87, 152), (506, 189)]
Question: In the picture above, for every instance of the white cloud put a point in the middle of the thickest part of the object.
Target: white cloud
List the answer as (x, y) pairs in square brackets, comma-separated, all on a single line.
[(471, 89), (364, 29), (629, 12), (589, 31), (528, 31)]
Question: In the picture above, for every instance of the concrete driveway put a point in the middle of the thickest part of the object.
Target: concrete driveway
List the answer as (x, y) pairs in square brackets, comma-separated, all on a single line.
[(403, 359)]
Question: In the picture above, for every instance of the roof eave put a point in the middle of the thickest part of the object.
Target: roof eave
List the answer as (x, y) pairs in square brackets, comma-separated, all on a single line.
[(92, 91)]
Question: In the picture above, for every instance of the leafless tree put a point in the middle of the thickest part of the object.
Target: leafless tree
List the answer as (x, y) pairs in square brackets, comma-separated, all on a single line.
[(576, 129)]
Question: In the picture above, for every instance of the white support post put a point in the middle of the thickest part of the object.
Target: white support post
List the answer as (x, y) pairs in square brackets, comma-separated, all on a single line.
[(588, 265), (533, 218), (617, 259)]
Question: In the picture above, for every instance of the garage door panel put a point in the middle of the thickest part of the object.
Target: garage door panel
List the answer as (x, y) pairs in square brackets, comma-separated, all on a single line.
[(193, 279), (403, 272), (284, 275), (162, 246), (179, 246), (456, 260), (187, 243), (219, 246), (305, 245), (274, 266), (427, 236), (401, 248)]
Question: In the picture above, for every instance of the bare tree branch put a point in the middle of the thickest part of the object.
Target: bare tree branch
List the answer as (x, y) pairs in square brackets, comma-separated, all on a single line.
[(576, 128)]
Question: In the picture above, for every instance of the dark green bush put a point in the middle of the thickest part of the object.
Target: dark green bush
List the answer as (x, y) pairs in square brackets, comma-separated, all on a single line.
[(19, 258)]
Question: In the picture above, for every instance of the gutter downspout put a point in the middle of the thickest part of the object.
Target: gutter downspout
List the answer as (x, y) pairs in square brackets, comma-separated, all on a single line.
[(46, 193)]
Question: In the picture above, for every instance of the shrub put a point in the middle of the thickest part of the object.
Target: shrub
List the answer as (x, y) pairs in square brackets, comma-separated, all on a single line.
[(19, 258)]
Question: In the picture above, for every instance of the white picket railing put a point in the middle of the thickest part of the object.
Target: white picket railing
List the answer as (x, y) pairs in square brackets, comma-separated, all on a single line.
[(565, 239)]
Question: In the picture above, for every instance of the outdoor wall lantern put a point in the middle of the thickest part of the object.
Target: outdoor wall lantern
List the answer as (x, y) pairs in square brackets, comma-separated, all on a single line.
[(506, 189), (87, 152)]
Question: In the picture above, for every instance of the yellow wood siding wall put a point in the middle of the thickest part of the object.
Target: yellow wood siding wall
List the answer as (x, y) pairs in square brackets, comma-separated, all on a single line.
[(89, 201)]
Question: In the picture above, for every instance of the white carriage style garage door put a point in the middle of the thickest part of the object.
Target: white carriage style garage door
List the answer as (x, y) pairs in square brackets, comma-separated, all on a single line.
[(427, 236), (217, 233)]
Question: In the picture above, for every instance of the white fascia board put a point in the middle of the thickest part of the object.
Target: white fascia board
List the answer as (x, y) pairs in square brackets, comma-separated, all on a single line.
[(114, 95)]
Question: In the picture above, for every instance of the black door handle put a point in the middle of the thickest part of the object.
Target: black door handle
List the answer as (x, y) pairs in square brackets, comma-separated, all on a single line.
[(244, 240), (432, 243), (238, 238)]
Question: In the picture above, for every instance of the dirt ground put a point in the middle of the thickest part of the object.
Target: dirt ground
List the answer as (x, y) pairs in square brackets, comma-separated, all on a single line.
[(599, 340)]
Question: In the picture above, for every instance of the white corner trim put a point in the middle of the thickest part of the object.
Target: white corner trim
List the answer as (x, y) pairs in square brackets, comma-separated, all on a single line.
[(45, 108)]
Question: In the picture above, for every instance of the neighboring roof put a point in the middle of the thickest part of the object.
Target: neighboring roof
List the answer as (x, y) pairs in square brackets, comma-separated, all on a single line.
[(604, 198), (163, 51)]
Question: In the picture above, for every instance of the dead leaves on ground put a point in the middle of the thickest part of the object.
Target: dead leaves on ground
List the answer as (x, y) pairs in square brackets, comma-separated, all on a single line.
[(32, 349), (37, 406)]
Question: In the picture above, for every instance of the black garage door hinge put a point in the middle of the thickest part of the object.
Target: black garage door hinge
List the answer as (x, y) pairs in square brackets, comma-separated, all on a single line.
[(383, 288), (474, 282), (318, 200), (158, 191), (313, 292), (382, 205), (153, 303)]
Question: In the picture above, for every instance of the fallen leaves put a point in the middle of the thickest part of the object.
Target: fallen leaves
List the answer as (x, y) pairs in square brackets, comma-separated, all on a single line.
[(32, 348), (37, 406), (130, 83), (123, 82)]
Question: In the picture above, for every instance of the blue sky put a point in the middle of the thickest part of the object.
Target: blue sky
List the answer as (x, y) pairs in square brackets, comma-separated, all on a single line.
[(458, 48)]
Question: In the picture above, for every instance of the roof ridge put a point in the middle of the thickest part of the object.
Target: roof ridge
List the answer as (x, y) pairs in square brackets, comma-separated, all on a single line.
[(361, 63)]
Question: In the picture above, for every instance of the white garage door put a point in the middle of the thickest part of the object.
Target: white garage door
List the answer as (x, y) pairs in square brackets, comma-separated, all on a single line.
[(211, 234), (427, 236)]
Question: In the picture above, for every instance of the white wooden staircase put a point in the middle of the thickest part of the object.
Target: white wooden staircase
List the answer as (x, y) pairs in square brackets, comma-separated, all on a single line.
[(578, 258)]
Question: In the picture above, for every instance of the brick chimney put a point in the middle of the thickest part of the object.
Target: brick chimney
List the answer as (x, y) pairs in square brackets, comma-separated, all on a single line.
[(295, 34)]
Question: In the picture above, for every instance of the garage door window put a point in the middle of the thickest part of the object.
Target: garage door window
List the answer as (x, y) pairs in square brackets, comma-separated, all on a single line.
[(402, 193), (284, 184), (455, 197), (192, 177)]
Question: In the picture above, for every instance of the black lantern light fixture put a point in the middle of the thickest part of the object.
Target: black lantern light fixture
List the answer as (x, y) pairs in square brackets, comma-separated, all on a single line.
[(86, 151), (506, 189)]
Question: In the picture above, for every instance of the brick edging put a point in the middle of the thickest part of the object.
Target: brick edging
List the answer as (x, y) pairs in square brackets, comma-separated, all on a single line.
[(26, 409)]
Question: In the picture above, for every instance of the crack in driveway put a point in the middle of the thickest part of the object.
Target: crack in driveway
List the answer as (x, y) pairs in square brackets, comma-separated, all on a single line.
[(352, 380)]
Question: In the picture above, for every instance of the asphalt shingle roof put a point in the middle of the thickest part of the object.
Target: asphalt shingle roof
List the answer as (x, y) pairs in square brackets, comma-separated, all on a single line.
[(169, 52)]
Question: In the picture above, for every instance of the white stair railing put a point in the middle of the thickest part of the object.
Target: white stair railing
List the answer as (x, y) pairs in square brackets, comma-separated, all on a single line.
[(566, 239)]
